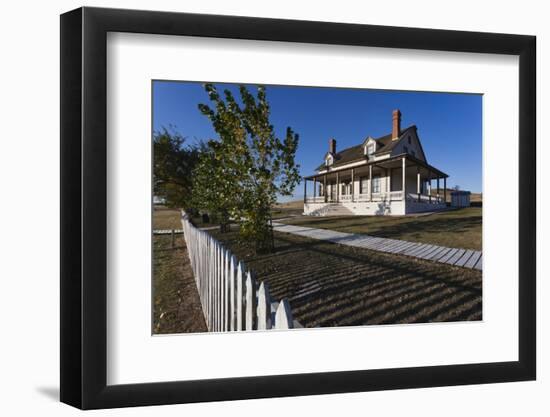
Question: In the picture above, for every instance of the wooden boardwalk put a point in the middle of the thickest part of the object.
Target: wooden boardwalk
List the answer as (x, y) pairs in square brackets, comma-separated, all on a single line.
[(464, 258)]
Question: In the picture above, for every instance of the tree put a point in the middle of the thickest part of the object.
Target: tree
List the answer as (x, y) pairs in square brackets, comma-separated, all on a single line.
[(173, 164), (211, 190), (250, 165)]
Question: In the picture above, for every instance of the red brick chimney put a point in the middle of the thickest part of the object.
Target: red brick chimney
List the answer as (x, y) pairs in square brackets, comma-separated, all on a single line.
[(396, 125), (332, 146)]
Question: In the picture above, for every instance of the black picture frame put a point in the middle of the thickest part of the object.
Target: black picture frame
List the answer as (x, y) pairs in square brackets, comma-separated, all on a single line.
[(84, 207)]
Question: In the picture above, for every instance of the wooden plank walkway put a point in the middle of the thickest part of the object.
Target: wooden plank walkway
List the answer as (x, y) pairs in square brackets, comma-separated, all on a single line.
[(465, 258)]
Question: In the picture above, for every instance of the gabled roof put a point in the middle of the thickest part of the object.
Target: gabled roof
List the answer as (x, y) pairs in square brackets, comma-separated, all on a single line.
[(355, 153)]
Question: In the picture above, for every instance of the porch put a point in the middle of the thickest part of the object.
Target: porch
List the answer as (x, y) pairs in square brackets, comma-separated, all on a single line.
[(398, 185), (385, 196)]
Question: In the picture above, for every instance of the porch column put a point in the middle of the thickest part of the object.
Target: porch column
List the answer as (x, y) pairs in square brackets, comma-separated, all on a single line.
[(370, 182), (403, 182), (418, 182), (352, 184), (445, 190), (337, 187), (389, 182), (305, 190), (325, 188), (430, 186), (437, 188)]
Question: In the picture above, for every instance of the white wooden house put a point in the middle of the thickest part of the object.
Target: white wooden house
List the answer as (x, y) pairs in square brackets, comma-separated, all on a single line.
[(389, 175)]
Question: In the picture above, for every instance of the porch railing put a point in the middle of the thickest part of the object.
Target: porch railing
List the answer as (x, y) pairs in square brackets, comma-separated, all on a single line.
[(384, 196), (426, 199), (320, 199), (361, 197)]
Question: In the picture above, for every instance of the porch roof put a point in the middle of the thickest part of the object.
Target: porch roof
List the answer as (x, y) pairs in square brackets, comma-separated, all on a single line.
[(384, 163)]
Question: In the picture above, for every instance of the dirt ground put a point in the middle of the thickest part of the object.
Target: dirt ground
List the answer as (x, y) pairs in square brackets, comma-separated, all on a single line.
[(166, 218), (176, 304)]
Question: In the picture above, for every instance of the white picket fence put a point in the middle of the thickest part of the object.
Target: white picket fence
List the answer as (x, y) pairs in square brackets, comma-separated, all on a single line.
[(230, 297)]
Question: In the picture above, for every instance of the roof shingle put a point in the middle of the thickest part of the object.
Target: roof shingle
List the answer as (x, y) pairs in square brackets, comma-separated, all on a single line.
[(355, 153)]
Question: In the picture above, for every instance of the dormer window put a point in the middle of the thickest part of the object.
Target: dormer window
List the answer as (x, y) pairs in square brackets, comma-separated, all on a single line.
[(369, 146), (329, 160), (370, 149)]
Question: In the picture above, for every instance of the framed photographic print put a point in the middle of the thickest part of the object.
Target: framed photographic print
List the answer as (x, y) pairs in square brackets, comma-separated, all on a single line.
[(257, 208)]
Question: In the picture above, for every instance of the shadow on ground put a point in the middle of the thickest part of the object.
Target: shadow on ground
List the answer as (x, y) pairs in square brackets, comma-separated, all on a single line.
[(336, 285)]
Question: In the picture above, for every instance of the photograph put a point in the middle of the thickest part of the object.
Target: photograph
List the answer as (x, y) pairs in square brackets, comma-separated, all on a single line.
[(292, 207)]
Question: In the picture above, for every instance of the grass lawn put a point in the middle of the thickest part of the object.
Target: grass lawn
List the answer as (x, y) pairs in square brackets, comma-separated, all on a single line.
[(455, 228), (335, 285), (176, 305), (291, 208)]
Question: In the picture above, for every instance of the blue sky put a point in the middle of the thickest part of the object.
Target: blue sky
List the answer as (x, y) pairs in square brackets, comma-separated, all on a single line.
[(449, 125)]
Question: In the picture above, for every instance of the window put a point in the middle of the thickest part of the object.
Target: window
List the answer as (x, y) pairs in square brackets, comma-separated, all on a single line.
[(370, 148), (321, 191), (363, 184), (376, 184)]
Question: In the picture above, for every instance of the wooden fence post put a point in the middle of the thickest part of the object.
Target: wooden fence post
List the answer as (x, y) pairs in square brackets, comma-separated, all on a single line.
[(264, 307), (216, 286), (207, 282), (283, 316), (232, 306), (250, 302), (215, 293), (227, 291), (200, 272), (205, 278), (220, 287), (240, 296), (212, 284)]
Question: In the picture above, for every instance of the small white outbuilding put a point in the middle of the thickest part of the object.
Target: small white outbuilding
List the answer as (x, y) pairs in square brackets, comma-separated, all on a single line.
[(460, 198)]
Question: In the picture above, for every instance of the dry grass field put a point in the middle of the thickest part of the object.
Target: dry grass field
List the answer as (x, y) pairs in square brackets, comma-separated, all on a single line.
[(454, 228), (334, 285), (292, 208), (475, 198)]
